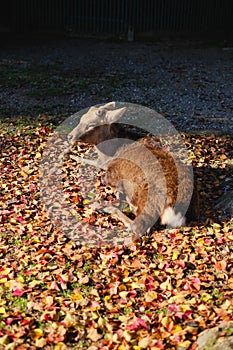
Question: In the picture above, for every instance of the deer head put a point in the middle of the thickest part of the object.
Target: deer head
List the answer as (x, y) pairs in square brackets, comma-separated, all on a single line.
[(94, 118)]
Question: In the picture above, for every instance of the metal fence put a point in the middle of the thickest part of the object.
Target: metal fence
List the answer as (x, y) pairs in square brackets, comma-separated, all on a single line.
[(115, 16)]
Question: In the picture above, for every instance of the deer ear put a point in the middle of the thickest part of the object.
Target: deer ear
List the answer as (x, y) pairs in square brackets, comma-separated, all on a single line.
[(91, 109), (109, 105), (113, 116)]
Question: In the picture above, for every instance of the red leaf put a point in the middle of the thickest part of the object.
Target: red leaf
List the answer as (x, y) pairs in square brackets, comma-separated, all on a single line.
[(20, 219), (196, 283), (18, 293), (12, 319), (138, 324), (132, 293)]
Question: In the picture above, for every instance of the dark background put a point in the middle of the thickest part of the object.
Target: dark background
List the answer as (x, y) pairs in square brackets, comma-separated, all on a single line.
[(114, 17)]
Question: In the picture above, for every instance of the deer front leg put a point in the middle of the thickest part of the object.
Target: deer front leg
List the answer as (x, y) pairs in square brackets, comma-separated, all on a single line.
[(101, 162), (93, 162), (121, 216)]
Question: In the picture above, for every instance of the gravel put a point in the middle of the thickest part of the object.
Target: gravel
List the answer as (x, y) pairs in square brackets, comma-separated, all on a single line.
[(190, 83)]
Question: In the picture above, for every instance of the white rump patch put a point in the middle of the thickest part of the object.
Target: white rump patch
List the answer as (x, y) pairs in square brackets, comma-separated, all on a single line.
[(171, 219)]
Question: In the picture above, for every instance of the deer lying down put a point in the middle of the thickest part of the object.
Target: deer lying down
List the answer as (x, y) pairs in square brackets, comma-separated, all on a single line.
[(154, 184)]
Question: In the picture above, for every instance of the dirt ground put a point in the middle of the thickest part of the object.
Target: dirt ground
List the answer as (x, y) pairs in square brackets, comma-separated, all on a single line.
[(189, 82)]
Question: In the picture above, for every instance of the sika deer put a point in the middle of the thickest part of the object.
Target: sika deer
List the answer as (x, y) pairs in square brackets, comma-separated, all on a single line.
[(154, 183)]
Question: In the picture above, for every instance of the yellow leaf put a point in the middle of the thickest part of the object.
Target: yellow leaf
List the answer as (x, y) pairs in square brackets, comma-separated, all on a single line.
[(107, 298), (34, 283), (38, 155), (201, 241), (6, 271), (94, 292), (166, 285), (76, 296), (69, 320), (94, 315), (126, 279), (3, 280), (123, 347), (49, 300), (18, 192), (127, 336), (226, 305), (124, 318), (223, 156), (122, 288), (40, 343), (202, 307), (4, 340), (60, 346), (37, 333), (192, 301), (205, 297), (25, 175), (144, 343), (150, 296), (167, 323), (20, 279), (2, 310), (8, 284), (101, 321), (185, 345), (123, 294), (2, 301), (137, 285), (230, 282), (185, 308), (93, 334), (36, 240), (175, 255), (43, 117), (177, 329)]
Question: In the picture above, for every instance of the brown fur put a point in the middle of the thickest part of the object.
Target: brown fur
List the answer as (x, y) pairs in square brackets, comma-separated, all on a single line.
[(148, 176)]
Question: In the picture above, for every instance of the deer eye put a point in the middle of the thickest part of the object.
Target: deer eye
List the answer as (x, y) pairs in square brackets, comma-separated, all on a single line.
[(100, 112)]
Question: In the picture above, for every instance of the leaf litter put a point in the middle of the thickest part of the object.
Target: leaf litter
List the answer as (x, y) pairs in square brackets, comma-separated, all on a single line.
[(158, 293)]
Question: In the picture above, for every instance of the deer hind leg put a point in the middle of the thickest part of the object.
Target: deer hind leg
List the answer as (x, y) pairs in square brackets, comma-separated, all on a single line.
[(138, 226)]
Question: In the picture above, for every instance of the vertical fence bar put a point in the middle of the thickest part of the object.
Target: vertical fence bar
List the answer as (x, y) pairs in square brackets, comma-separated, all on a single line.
[(114, 16)]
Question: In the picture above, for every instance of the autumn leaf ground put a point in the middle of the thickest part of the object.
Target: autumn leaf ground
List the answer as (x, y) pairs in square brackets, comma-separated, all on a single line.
[(158, 293)]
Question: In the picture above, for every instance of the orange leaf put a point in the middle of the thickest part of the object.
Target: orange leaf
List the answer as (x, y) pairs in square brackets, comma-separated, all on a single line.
[(221, 265)]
